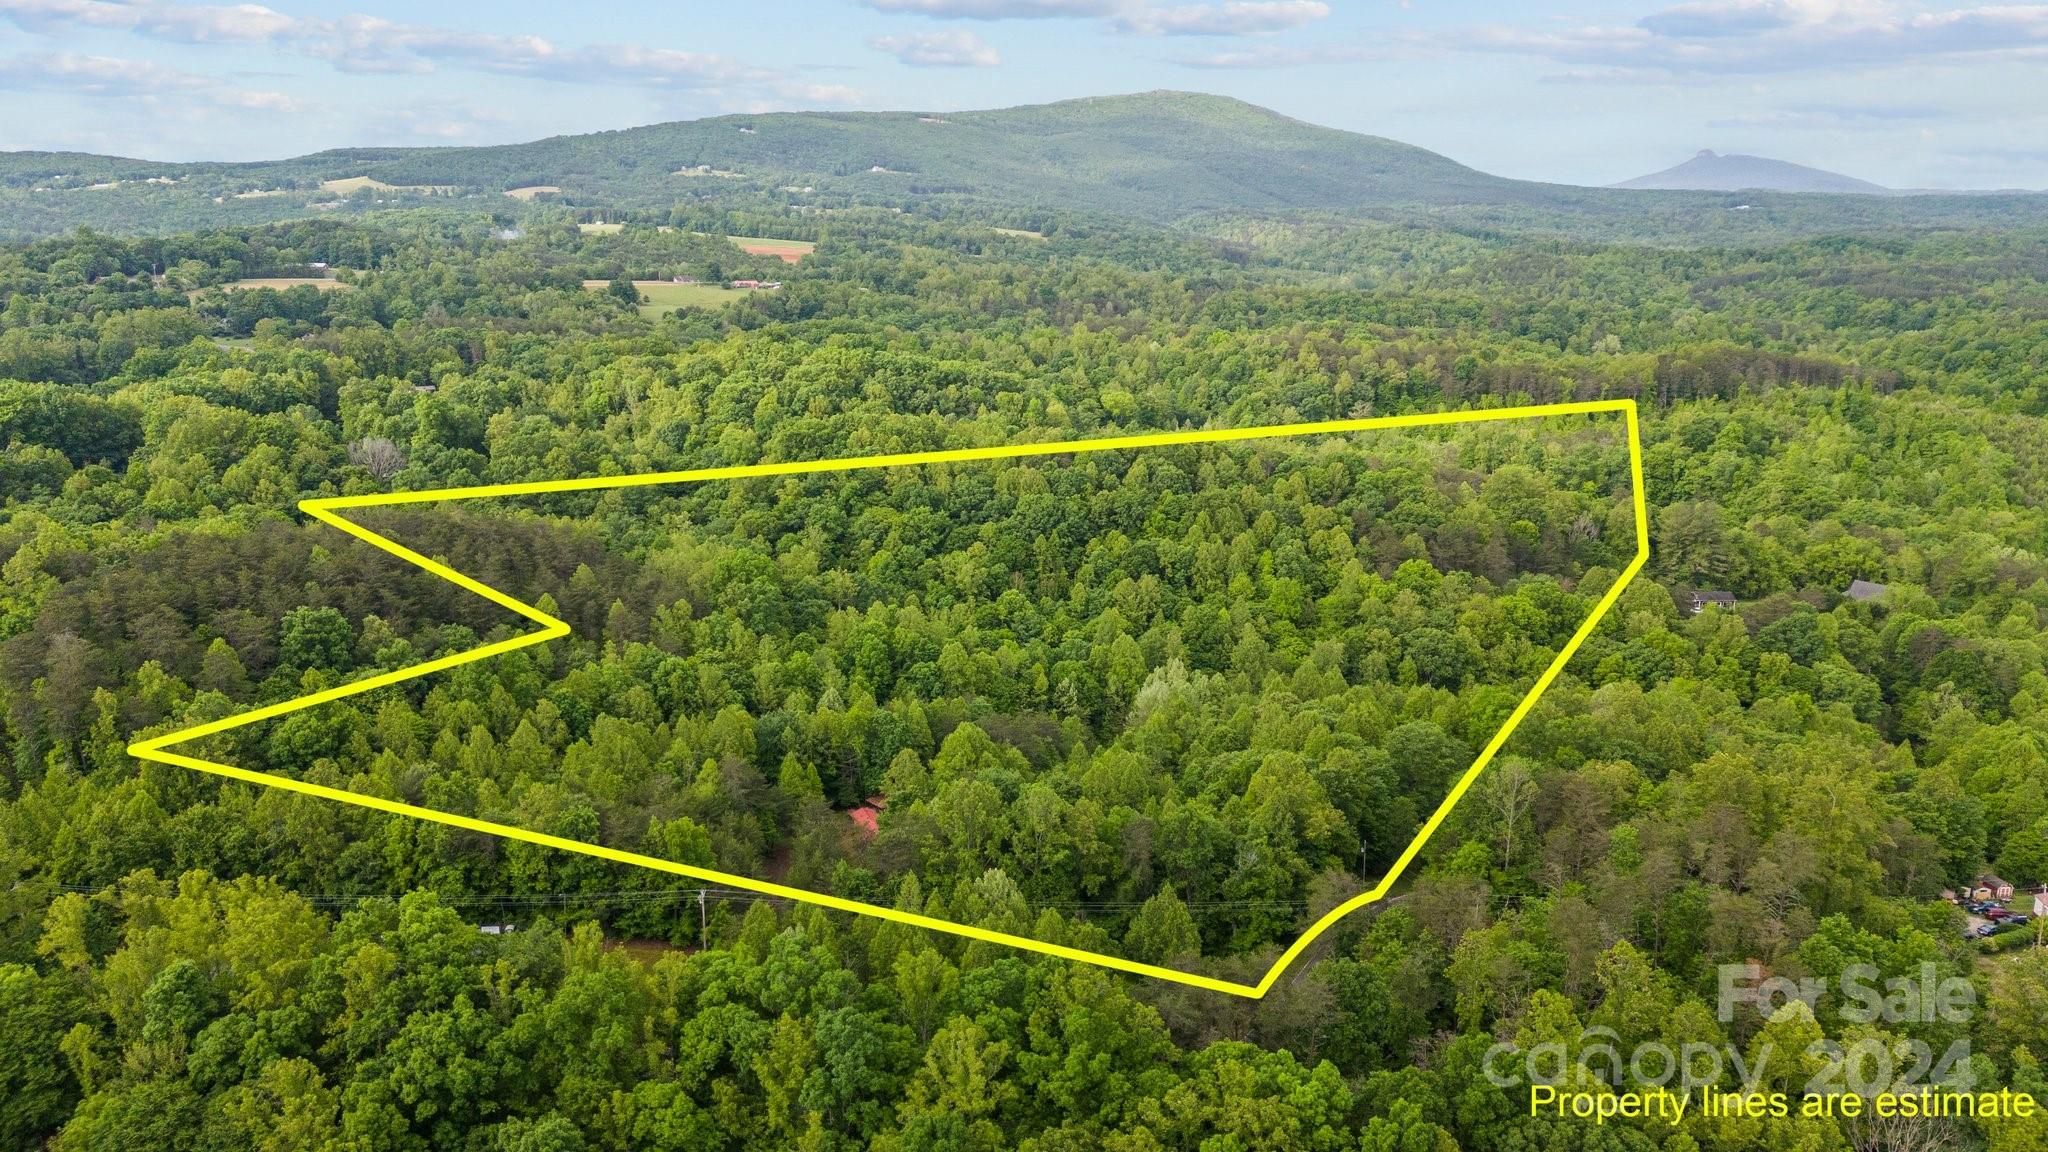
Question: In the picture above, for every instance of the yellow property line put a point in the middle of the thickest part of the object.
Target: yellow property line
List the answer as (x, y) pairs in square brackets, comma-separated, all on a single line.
[(328, 511)]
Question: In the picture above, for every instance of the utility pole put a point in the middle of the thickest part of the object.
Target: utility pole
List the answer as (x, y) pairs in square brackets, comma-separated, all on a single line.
[(703, 924)]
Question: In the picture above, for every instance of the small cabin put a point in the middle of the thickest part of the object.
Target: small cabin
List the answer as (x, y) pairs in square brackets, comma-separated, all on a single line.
[(1864, 590), (1702, 597), (868, 817)]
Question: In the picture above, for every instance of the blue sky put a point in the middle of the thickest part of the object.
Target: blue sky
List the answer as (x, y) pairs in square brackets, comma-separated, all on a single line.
[(1910, 93)]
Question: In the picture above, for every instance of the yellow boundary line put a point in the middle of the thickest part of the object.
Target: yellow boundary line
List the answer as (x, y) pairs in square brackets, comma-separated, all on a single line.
[(328, 511)]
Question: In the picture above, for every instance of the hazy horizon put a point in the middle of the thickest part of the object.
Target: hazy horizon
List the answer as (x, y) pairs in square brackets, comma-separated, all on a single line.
[(1602, 93)]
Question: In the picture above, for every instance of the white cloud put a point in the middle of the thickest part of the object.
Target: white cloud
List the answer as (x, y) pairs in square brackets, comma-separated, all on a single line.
[(954, 48), (815, 94), (370, 44), (1283, 56), (1246, 18), (196, 24), (999, 9), (1759, 37), (1137, 17), (108, 76)]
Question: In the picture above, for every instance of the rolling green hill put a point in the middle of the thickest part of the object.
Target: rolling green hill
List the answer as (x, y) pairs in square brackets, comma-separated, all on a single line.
[(1160, 156)]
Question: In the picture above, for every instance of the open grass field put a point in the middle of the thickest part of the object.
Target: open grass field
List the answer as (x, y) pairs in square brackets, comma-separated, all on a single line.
[(324, 284), (790, 251), (532, 190), (665, 296), (1023, 232), (357, 183), (600, 229)]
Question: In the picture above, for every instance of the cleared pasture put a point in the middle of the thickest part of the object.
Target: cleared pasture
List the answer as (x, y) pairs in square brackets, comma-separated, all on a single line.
[(790, 251), (319, 283), (665, 296), (349, 184)]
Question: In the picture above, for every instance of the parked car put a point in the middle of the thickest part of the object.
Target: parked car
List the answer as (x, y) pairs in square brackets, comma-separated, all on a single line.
[(1997, 913)]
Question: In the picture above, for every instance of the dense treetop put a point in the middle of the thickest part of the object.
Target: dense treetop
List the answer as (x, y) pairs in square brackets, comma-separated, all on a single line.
[(1169, 704)]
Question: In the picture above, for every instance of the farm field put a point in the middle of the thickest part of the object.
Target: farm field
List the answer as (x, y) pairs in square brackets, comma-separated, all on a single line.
[(350, 184), (600, 229), (790, 251), (322, 283), (531, 190), (664, 296), (1026, 233)]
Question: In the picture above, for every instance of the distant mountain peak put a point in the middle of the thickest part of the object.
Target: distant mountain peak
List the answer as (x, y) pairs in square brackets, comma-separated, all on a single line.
[(1711, 171)]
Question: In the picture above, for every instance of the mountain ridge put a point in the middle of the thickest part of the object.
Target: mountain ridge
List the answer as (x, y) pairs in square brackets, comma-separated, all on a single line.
[(1162, 158), (1710, 171)]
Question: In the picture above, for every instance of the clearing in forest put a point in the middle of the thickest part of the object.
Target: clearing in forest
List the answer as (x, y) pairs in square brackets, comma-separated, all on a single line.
[(319, 283), (664, 296), (350, 184), (940, 465), (789, 251)]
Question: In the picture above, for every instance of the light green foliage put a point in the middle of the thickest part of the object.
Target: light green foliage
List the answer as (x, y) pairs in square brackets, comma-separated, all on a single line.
[(1172, 703)]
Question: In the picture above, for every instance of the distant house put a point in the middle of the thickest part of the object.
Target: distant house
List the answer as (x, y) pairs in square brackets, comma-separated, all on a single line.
[(2041, 902), (1704, 596), (868, 817), (746, 283), (1989, 887), (748, 131), (496, 929), (1864, 590)]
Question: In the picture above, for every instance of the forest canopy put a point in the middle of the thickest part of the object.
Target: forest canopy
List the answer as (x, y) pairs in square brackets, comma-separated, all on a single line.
[(1168, 704)]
